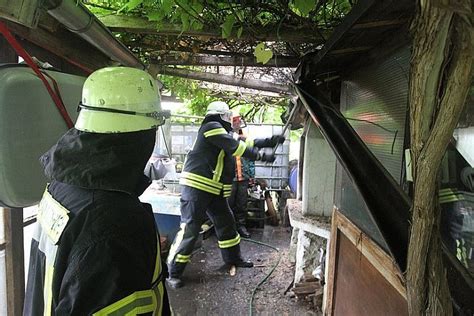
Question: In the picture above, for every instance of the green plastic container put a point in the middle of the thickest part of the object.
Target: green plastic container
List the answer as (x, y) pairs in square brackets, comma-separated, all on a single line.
[(30, 124)]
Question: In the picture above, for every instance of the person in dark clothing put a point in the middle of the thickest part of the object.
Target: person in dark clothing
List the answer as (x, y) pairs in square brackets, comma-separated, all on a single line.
[(95, 248), (244, 173), (207, 182)]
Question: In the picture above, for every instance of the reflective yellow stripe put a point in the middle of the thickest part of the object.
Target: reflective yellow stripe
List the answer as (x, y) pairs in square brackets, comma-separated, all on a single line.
[(451, 198), (178, 239), (219, 166), (158, 294), (446, 191), (249, 142), (240, 150), (139, 302), (226, 194), (182, 258), (216, 131), (449, 195), (230, 242), (199, 186), (48, 290), (204, 180)]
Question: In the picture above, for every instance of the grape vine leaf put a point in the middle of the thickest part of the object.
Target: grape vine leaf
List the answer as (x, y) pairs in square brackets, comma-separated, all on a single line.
[(263, 55), (227, 26)]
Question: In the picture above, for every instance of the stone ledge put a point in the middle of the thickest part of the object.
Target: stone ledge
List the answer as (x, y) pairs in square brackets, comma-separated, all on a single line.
[(318, 225)]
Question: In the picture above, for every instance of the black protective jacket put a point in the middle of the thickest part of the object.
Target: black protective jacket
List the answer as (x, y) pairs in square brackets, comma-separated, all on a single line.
[(95, 248), (210, 165)]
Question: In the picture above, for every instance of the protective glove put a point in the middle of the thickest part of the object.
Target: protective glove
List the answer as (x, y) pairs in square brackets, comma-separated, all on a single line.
[(277, 139), (267, 156)]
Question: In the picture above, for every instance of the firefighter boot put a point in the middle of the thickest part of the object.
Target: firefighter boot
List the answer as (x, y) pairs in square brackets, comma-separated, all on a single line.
[(244, 264), (243, 232)]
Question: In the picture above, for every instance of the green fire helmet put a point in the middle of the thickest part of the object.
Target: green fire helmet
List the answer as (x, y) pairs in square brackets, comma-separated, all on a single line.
[(119, 100)]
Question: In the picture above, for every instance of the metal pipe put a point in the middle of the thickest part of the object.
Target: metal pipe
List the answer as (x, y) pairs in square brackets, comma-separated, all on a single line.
[(78, 19), (287, 124)]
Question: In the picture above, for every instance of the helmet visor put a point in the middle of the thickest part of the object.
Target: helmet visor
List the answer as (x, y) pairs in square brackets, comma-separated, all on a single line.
[(227, 116)]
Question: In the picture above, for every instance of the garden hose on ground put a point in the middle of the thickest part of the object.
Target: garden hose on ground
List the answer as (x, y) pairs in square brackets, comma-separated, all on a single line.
[(268, 274)]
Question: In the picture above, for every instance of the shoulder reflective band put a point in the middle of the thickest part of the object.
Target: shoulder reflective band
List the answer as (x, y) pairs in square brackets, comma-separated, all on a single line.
[(215, 131), (230, 242), (240, 150), (155, 115)]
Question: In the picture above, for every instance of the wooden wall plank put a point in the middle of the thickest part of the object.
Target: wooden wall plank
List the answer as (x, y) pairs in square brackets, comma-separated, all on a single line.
[(354, 261), (360, 289), (14, 260)]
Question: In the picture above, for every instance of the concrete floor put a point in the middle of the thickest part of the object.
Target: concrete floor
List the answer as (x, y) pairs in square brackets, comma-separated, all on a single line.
[(210, 289)]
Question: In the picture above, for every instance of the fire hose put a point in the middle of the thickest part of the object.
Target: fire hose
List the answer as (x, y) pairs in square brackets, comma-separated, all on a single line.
[(266, 276)]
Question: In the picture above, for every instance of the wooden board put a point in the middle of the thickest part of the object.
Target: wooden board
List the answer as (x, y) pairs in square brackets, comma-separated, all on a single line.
[(362, 278), (14, 260)]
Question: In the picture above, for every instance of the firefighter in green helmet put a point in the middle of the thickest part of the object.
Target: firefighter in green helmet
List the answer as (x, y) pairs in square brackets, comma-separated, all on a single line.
[(95, 248)]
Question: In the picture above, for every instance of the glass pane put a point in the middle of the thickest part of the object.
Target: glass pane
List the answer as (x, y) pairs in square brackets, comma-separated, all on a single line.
[(28, 212)]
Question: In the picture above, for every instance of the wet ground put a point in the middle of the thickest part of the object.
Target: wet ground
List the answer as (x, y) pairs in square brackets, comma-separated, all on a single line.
[(211, 290)]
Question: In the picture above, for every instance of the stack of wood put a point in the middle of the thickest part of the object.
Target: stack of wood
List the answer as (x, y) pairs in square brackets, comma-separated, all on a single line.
[(309, 289)]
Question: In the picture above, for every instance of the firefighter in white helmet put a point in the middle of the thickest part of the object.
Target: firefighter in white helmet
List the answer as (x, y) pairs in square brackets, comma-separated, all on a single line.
[(207, 183), (95, 249)]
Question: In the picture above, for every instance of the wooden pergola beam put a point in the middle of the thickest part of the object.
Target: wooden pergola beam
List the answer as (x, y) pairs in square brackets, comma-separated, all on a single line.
[(181, 49), (243, 61), (222, 79), (133, 24)]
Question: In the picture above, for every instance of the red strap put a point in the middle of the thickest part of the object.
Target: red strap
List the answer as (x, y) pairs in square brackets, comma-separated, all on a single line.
[(21, 52)]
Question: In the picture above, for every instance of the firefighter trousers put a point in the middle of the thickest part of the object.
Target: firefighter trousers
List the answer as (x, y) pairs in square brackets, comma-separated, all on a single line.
[(238, 201), (195, 204)]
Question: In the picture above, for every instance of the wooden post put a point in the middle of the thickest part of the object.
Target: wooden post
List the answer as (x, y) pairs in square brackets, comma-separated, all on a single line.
[(14, 260)]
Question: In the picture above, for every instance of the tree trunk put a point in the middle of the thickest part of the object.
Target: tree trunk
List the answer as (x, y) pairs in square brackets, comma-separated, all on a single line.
[(440, 79)]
